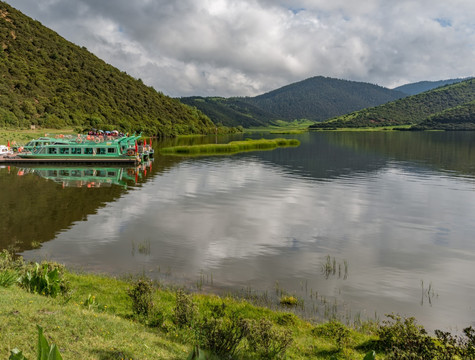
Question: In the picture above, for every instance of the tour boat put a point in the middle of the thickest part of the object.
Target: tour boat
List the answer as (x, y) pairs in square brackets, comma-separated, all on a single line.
[(85, 148)]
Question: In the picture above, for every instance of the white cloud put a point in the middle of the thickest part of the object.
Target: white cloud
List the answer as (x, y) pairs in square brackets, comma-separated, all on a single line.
[(229, 47)]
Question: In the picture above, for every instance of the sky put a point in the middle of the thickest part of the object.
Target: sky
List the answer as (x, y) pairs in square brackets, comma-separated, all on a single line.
[(248, 47)]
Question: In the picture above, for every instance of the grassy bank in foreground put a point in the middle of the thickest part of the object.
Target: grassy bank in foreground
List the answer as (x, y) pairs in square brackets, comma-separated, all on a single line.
[(89, 316), (231, 148)]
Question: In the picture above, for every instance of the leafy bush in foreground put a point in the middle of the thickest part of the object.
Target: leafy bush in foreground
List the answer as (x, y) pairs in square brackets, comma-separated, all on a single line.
[(267, 341), (404, 339), (141, 295), (46, 279)]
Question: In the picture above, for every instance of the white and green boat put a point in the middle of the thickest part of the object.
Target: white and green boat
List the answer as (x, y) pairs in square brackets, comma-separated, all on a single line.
[(85, 148)]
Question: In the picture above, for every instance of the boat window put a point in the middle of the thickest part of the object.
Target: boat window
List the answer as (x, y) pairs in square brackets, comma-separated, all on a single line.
[(76, 151), (111, 150), (52, 150), (88, 151), (100, 151), (64, 150), (101, 173), (89, 172), (63, 172)]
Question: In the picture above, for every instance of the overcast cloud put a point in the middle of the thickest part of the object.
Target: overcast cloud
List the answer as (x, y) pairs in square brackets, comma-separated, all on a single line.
[(248, 47)]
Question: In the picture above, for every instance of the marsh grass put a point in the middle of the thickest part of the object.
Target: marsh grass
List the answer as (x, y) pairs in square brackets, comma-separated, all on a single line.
[(231, 148), (331, 267)]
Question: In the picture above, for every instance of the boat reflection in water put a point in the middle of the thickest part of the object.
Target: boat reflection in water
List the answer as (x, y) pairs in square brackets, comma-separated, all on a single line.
[(90, 176)]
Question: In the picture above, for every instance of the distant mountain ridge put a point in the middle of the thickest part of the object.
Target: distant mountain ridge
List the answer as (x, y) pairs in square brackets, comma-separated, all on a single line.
[(50, 82), (317, 98), (451, 107), (422, 86)]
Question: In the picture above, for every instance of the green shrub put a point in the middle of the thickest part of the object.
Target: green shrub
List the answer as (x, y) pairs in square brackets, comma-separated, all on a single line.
[(334, 330), (286, 319), (141, 295), (265, 340), (221, 335), (45, 279), (156, 318), (450, 345), (185, 309), (404, 339)]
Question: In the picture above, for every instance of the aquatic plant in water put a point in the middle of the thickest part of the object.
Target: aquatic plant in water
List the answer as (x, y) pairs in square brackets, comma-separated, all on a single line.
[(231, 148)]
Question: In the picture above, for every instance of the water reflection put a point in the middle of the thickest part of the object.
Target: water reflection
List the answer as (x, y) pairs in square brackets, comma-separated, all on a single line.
[(40, 201), (259, 218)]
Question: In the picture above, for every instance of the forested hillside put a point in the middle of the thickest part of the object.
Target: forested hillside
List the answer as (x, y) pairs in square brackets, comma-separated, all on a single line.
[(421, 86), (230, 111), (320, 98), (458, 118), (50, 82), (436, 105), (317, 99)]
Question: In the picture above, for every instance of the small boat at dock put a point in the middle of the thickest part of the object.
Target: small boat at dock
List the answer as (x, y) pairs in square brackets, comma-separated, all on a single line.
[(5, 150)]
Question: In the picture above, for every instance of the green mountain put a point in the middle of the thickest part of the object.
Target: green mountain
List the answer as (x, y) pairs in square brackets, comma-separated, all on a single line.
[(230, 111), (50, 82), (317, 98), (451, 105), (421, 86)]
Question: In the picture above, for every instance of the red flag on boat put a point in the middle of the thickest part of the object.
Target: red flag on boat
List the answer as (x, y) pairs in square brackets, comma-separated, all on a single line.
[(144, 142), (136, 147), (8, 144)]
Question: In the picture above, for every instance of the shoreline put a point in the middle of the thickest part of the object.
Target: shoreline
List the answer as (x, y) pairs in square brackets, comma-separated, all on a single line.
[(98, 316)]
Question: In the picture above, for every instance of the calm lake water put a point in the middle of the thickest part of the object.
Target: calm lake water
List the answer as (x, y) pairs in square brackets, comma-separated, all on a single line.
[(391, 213)]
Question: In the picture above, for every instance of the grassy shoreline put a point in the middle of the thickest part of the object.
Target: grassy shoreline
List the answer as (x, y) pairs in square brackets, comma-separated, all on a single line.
[(103, 317), (95, 319)]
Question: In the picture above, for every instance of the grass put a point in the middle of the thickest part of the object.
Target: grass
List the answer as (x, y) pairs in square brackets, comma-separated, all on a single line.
[(96, 321), (231, 148), (369, 128), (284, 127), (290, 132)]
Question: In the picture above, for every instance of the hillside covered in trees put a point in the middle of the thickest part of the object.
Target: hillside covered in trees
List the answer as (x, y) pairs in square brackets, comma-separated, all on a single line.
[(421, 86), (449, 107), (50, 82), (317, 98)]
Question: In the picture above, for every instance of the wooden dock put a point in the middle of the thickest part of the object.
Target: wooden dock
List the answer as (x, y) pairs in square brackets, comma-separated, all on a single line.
[(15, 160)]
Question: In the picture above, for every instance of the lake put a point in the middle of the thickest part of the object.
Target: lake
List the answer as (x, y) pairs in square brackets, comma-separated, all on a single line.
[(356, 224)]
